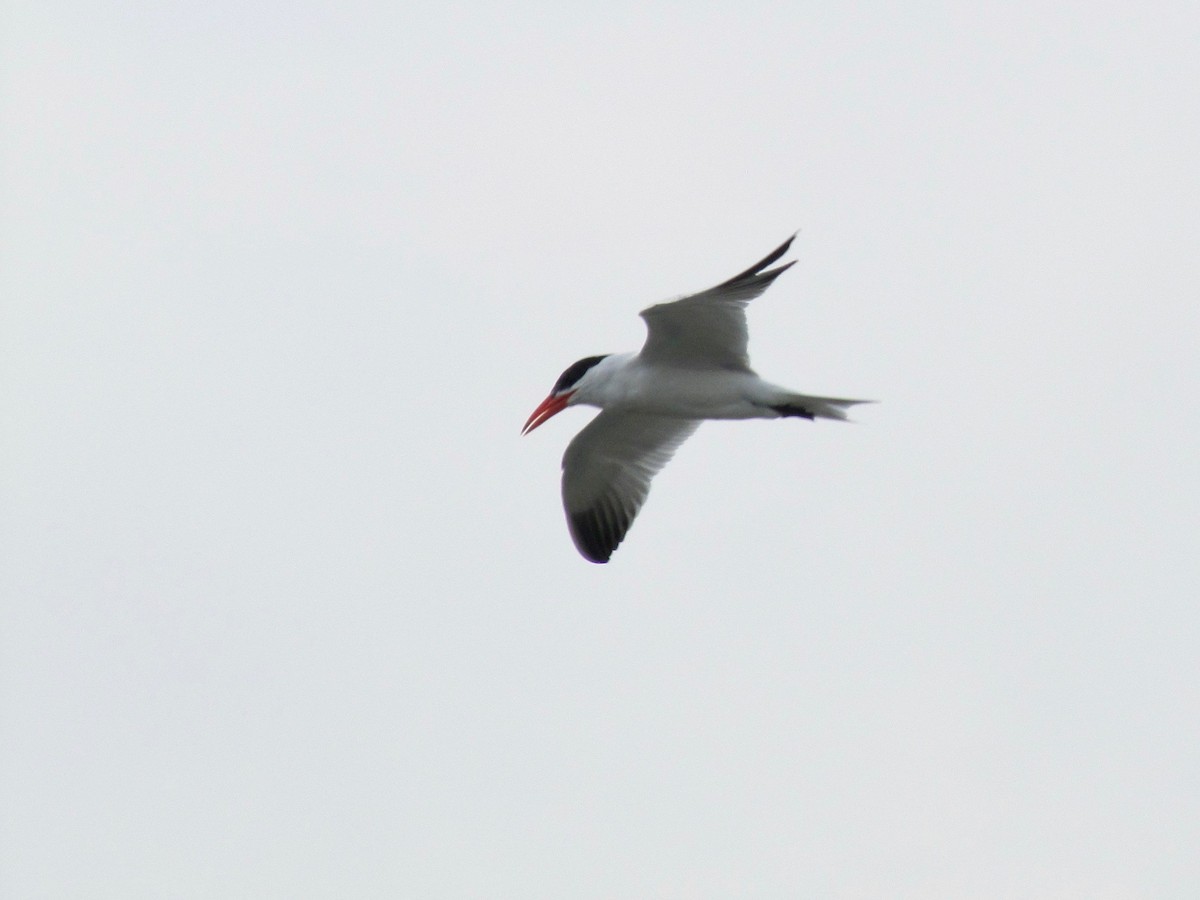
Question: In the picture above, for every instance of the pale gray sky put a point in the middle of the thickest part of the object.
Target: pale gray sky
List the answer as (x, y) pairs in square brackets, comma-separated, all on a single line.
[(290, 609)]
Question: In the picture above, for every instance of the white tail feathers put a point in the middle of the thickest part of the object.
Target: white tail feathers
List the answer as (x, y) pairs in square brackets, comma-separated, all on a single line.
[(818, 407)]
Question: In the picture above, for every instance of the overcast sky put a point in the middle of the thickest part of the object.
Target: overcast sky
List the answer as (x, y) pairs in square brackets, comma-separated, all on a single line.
[(289, 606)]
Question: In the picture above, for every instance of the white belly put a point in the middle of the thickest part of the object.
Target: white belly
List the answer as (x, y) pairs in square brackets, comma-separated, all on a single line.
[(692, 394)]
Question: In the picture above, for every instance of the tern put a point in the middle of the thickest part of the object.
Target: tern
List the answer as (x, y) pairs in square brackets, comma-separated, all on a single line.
[(693, 366)]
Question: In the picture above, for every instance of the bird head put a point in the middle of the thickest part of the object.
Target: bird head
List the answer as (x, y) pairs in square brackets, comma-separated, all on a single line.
[(566, 391)]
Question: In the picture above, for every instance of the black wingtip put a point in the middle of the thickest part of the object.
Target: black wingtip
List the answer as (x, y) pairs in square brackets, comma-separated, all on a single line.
[(763, 263), (595, 537)]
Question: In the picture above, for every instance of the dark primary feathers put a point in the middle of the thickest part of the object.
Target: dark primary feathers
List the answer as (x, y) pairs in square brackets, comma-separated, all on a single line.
[(606, 474), (709, 328), (693, 366), (755, 271), (608, 467)]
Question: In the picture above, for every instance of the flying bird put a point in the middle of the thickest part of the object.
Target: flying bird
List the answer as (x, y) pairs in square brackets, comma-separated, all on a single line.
[(693, 366)]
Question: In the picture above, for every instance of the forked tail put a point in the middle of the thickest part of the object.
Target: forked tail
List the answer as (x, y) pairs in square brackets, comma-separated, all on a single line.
[(807, 407)]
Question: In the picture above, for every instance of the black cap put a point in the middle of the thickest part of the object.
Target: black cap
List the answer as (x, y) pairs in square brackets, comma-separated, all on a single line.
[(574, 372)]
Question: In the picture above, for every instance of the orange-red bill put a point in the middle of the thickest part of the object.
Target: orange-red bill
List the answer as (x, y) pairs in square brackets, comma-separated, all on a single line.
[(551, 406)]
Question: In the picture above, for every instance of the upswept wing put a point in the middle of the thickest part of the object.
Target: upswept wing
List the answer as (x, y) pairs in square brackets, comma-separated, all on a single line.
[(709, 329), (606, 475)]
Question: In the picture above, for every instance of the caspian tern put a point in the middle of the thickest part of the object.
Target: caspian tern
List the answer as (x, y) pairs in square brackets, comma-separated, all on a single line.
[(693, 366)]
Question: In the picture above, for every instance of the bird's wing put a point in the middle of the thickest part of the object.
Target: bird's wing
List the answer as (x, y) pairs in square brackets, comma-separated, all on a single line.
[(709, 329), (606, 475)]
